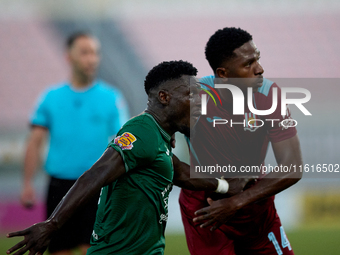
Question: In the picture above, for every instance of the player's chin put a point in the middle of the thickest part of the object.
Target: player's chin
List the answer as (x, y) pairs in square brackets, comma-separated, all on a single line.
[(256, 89), (193, 120), (90, 73), (257, 86)]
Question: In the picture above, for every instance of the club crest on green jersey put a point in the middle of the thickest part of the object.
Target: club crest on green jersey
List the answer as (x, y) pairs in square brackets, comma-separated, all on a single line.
[(125, 141)]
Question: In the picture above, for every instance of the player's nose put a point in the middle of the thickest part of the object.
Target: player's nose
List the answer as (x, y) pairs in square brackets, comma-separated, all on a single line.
[(258, 69)]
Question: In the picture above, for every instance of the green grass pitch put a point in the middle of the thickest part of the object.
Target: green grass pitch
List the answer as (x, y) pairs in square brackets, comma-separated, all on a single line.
[(304, 242)]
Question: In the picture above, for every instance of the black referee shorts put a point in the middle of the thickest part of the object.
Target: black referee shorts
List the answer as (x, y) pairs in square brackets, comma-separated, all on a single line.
[(78, 229)]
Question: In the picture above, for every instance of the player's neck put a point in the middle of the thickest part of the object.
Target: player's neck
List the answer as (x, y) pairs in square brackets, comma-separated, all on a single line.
[(161, 120), (80, 82)]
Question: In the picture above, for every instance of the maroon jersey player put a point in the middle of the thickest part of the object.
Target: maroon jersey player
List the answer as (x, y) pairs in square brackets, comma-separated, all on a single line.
[(246, 223)]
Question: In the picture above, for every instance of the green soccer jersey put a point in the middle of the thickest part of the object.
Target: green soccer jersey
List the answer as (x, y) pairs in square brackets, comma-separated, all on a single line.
[(133, 211)]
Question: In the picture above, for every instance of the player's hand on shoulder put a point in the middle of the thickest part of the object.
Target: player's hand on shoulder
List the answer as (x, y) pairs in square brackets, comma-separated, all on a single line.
[(36, 238)]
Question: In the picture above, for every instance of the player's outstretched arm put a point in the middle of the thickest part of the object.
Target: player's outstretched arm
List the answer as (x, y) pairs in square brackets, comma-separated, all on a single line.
[(37, 237), (183, 180), (287, 153)]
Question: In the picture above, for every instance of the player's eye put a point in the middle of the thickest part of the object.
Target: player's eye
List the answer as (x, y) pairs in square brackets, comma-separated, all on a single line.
[(248, 64)]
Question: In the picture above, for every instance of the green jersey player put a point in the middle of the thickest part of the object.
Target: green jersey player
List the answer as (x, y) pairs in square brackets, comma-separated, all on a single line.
[(135, 173), (133, 210)]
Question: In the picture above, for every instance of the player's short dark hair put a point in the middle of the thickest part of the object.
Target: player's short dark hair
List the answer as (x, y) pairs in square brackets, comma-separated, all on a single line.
[(166, 71), (222, 44), (73, 37)]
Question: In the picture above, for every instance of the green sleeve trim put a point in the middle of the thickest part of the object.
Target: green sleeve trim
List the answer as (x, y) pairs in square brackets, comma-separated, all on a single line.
[(120, 151)]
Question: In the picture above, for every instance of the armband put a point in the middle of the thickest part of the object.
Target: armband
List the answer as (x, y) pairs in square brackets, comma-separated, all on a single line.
[(223, 186)]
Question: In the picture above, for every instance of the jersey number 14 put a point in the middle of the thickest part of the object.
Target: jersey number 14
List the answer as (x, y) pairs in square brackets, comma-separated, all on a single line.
[(284, 241)]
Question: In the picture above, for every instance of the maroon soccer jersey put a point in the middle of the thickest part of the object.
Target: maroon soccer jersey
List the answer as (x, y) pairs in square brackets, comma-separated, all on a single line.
[(240, 142)]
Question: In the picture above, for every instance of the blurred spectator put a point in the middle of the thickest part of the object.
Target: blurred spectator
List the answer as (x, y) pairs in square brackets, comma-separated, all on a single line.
[(80, 116)]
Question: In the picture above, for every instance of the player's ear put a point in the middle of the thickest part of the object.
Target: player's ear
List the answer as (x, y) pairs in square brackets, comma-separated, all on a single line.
[(164, 97), (221, 72)]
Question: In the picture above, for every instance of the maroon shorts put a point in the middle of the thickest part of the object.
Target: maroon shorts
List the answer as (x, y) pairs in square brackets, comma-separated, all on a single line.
[(265, 235)]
